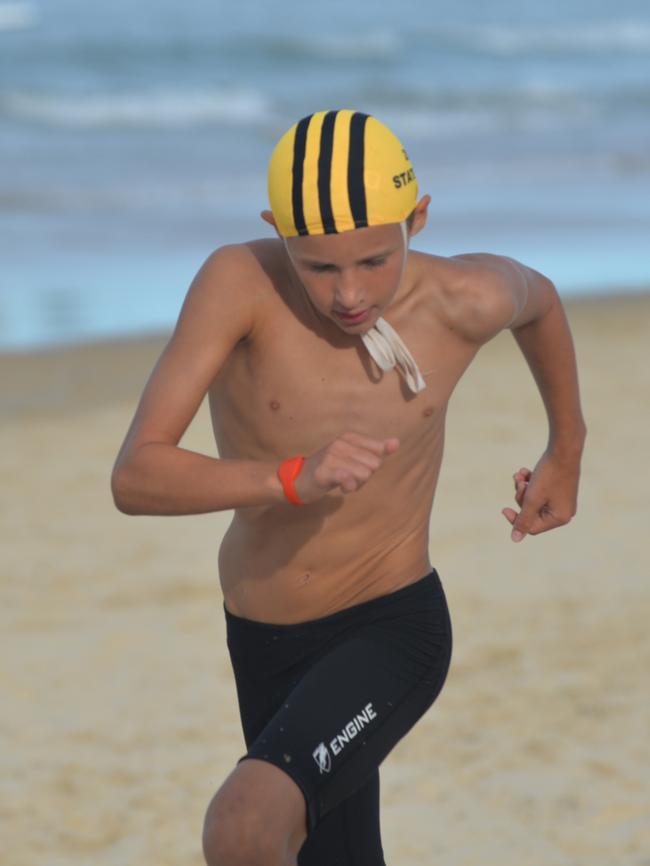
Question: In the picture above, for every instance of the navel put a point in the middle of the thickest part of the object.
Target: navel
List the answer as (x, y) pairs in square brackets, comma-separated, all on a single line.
[(274, 405), (429, 410)]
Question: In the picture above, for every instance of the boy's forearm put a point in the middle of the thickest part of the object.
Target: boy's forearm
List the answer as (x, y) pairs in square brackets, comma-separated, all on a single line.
[(547, 345), (162, 479)]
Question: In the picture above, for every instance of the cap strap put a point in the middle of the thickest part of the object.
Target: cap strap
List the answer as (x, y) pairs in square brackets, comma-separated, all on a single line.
[(388, 351)]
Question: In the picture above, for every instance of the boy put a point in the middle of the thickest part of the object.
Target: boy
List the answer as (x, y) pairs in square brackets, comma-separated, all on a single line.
[(329, 355)]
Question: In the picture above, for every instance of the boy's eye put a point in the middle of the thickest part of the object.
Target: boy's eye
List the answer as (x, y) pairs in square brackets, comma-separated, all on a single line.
[(369, 263)]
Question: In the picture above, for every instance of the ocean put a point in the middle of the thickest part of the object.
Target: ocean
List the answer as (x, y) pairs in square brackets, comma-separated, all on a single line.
[(134, 139)]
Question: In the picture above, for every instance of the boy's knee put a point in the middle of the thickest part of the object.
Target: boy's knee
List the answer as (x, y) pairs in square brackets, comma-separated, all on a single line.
[(238, 836), (243, 825), (238, 842)]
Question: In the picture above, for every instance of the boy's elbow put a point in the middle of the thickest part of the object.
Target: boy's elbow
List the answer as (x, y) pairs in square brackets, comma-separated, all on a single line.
[(122, 491)]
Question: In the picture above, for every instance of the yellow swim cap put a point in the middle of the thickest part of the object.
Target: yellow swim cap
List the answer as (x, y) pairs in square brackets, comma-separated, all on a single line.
[(334, 171)]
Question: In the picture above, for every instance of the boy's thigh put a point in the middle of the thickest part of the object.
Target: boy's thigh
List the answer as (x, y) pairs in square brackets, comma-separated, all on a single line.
[(345, 715)]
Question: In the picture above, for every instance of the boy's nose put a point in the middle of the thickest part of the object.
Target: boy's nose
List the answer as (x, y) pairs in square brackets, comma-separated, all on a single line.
[(349, 294)]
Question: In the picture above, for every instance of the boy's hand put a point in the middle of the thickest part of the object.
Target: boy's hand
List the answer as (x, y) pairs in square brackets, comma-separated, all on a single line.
[(547, 497), (347, 462)]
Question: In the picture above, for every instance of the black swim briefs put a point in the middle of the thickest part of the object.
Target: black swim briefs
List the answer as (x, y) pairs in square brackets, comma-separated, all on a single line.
[(326, 700)]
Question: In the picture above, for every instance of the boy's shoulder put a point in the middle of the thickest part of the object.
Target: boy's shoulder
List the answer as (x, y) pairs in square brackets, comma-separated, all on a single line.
[(243, 273), (251, 257), (465, 273), (476, 294)]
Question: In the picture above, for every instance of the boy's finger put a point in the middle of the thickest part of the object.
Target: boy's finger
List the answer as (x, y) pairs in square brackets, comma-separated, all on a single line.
[(522, 475), (522, 524), (509, 514), (377, 446), (528, 519)]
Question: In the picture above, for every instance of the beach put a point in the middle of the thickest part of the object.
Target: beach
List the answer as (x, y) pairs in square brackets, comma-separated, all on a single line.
[(119, 716)]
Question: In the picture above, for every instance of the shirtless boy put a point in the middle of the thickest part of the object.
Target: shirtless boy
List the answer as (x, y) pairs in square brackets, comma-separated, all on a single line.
[(329, 355)]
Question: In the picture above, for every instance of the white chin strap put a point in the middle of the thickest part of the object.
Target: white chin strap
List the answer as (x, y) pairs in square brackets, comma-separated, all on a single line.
[(386, 347), (388, 351)]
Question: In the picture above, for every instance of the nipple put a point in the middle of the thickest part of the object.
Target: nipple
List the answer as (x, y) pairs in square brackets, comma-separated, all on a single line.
[(388, 351)]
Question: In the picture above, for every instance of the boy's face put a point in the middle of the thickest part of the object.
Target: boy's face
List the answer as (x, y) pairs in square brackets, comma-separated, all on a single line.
[(354, 272)]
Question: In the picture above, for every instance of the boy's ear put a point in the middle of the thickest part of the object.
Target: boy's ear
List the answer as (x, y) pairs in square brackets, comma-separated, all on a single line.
[(268, 217), (420, 218)]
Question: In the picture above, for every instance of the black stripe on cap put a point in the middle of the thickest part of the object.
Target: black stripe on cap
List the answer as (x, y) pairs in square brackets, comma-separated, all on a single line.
[(356, 188), (299, 148), (325, 172)]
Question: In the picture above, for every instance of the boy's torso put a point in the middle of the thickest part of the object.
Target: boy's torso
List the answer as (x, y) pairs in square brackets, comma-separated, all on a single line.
[(291, 388)]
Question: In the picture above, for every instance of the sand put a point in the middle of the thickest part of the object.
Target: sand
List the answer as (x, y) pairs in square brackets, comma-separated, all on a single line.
[(119, 716)]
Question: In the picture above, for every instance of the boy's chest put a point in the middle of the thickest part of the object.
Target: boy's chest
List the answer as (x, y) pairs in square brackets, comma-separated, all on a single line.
[(291, 390)]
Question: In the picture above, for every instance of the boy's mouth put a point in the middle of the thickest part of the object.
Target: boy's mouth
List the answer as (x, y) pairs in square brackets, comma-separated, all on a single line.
[(353, 319)]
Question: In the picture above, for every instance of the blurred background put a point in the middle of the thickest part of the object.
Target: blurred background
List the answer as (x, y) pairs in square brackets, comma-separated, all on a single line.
[(134, 139)]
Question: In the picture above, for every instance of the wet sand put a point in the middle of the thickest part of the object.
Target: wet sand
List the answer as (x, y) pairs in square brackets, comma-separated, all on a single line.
[(119, 715)]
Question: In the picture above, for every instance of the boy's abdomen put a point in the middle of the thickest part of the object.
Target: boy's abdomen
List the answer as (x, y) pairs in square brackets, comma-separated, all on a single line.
[(291, 564)]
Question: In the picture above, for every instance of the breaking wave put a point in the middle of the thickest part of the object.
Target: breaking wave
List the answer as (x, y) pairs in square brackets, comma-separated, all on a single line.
[(162, 108)]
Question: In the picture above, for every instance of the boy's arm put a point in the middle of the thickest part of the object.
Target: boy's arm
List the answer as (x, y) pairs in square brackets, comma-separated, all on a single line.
[(527, 302), (152, 475)]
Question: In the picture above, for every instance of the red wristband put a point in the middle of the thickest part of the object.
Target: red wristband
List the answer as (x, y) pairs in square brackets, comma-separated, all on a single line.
[(287, 473)]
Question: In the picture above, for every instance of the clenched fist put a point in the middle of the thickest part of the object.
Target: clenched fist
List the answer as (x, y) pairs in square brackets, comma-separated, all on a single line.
[(347, 462)]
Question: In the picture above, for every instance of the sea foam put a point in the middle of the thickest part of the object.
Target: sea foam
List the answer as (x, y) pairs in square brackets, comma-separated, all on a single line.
[(159, 108), (17, 16)]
